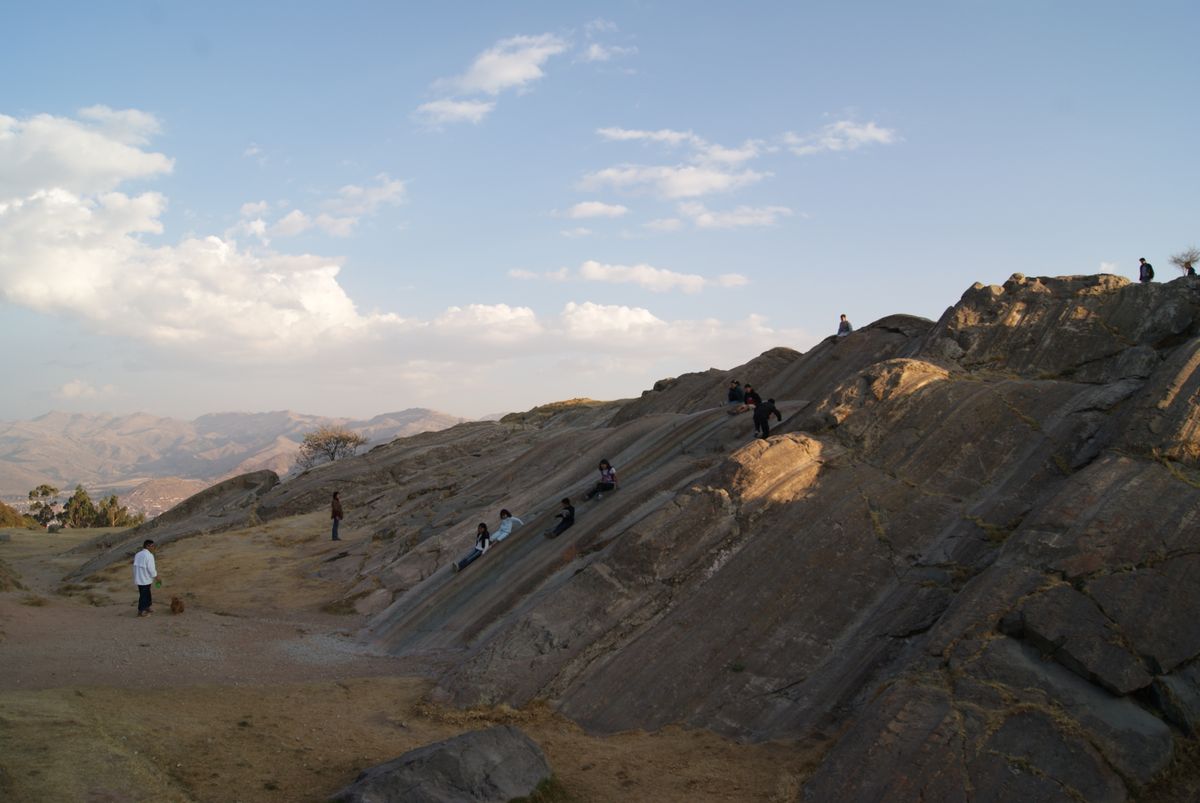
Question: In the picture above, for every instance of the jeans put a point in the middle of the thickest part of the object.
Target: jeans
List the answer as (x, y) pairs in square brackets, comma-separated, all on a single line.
[(600, 487), (335, 525), (144, 598)]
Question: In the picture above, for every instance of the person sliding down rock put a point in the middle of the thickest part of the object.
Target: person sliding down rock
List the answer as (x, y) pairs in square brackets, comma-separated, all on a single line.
[(507, 522), (567, 514), (762, 417), (483, 540), (608, 480)]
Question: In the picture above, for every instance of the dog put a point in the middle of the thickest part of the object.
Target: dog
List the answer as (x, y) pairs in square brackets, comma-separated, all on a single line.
[(176, 605)]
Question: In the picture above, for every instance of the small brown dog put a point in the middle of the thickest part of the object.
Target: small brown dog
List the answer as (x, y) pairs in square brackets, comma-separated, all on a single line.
[(176, 605)]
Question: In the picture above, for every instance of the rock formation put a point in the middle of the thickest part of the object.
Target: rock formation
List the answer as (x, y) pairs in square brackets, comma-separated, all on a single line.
[(965, 563)]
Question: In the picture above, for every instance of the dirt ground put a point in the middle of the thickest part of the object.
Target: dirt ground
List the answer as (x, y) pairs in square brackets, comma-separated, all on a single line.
[(255, 693)]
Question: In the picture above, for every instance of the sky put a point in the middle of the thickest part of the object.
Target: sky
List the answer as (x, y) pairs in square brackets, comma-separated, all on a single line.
[(351, 208)]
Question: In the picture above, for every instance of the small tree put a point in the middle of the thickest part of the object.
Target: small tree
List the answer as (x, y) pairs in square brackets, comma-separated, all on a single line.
[(79, 510), (327, 445), (110, 513), (43, 504), (1186, 259)]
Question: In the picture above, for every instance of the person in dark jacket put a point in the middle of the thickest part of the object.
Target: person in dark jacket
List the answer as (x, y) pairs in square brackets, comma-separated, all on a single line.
[(752, 397), (483, 540), (1145, 271), (567, 514), (762, 417), (335, 513), (844, 327), (736, 394)]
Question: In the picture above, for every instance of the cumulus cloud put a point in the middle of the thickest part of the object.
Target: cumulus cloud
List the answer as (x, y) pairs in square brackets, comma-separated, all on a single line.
[(74, 248), (588, 209), (88, 156), (670, 181), (512, 63), (82, 389), (442, 112), (595, 52), (254, 208), (844, 135), (343, 212), (664, 135), (655, 279), (738, 217)]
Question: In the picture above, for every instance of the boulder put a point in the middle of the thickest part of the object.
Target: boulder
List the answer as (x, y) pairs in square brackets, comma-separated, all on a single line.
[(487, 766)]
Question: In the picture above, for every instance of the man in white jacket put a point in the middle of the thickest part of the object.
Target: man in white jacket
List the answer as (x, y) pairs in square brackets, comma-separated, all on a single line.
[(144, 575)]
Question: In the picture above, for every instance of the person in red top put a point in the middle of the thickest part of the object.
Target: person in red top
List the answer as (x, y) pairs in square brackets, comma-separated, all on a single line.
[(752, 397)]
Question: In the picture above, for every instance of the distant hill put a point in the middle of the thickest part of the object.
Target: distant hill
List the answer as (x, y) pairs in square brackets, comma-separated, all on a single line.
[(116, 454)]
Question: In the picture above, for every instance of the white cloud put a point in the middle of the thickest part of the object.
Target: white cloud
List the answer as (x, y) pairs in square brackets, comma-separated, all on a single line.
[(678, 181), (509, 64), (82, 389), (589, 209), (654, 279), (1110, 267), (291, 224), (595, 52), (258, 317), (358, 200), (664, 224), (599, 25), (44, 152), (665, 135), (844, 135), (128, 126), (254, 208), (578, 231), (441, 112), (738, 217)]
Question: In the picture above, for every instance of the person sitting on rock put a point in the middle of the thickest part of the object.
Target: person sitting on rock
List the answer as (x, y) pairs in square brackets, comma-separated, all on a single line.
[(567, 514), (844, 326), (752, 397), (736, 394), (483, 540), (762, 417), (607, 482), (507, 522)]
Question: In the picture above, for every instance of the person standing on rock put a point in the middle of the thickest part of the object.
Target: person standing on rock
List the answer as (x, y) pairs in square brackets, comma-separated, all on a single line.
[(607, 482), (1145, 271), (762, 418), (335, 513), (507, 522), (844, 326), (144, 574)]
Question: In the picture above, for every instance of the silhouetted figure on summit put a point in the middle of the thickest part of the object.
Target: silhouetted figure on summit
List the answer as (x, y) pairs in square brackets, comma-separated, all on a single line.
[(1145, 271), (844, 326)]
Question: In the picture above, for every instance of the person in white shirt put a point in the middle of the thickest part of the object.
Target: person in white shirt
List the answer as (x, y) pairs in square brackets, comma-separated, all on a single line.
[(507, 522), (144, 575)]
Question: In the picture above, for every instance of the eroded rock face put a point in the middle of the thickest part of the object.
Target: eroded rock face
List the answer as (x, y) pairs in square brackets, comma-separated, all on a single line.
[(489, 766), (966, 562)]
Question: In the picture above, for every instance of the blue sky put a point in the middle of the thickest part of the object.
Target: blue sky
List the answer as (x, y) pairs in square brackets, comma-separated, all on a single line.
[(351, 208)]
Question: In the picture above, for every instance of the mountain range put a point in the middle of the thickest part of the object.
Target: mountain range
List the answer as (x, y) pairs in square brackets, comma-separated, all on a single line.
[(117, 454)]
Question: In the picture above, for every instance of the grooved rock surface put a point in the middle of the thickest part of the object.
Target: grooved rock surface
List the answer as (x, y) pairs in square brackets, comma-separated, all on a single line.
[(488, 766), (963, 567)]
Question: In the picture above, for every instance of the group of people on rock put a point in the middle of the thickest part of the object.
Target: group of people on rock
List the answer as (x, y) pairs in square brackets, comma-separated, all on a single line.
[(1146, 270), (742, 398)]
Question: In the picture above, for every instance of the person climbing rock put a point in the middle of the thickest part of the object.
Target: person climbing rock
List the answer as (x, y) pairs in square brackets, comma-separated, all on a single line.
[(762, 418)]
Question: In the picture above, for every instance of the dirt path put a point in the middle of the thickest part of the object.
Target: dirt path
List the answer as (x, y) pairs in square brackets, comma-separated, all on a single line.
[(257, 694)]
